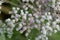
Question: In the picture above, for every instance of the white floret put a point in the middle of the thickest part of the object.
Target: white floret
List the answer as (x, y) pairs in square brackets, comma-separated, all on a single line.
[(57, 20), (38, 21), (55, 31), (18, 8), (26, 34), (49, 17), (36, 38), (24, 16), (13, 8), (44, 30), (8, 20), (58, 27), (15, 11), (1, 2)]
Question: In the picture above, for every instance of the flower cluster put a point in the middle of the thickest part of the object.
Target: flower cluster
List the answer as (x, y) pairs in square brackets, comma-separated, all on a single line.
[(51, 26), (41, 17)]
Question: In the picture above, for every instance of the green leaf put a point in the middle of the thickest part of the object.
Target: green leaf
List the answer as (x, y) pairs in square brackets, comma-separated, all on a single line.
[(54, 36), (34, 32)]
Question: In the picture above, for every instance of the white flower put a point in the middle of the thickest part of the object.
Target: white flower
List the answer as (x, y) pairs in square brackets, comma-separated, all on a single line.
[(28, 30), (15, 11), (38, 21), (32, 1), (59, 8), (26, 8), (31, 19), (43, 16), (22, 13), (58, 3), (13, 21), (24, 23), (20, 25), (49, 28), (24, 16), (23, 0), (40, 6), (8, 20), (54, 23), (24, 28), (13, 8), (21, 31), (44, 30), (36, 38), (17, 29), (27, 0), (49, 17), (30, 15), (12, 16), (26, 12), (42, 20), (35, 15), (36, 26), (58, 27), (39, 37), (48, 23), (55, 31), (26, 34), (16, 19), (31, 7), (49, 13), (18, 8), (11, 24), (10, 12), (28, 39), (17, 15), (57, 20), (53, 3), (46, 38), (55, 8), (1, 2)]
